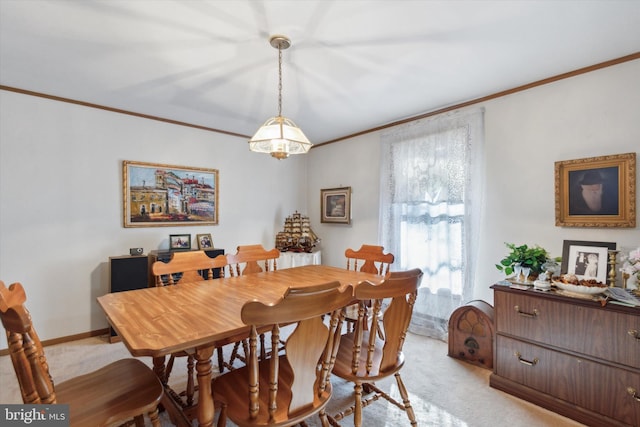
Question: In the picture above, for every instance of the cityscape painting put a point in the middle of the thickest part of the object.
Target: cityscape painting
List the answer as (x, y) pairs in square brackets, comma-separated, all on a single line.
[(164, 195)]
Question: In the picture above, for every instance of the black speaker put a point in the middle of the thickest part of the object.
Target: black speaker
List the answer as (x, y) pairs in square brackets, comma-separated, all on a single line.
[(127, 273)]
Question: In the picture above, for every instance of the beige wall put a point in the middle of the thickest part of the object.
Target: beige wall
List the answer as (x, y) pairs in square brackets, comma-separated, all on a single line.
[(61, 185), (588, 115), (61, 200)]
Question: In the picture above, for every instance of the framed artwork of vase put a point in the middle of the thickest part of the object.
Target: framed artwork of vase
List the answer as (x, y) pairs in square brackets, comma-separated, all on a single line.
[(596, 191)]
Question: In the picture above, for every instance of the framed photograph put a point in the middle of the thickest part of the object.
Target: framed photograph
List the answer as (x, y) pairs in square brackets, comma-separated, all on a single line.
[(163, 195), (204, 241), (596, 191), (335, 205), (587, 260), (180, 242)]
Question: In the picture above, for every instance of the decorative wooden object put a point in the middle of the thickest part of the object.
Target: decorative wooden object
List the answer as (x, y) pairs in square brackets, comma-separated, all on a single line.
[(570, 355), (471, 334)]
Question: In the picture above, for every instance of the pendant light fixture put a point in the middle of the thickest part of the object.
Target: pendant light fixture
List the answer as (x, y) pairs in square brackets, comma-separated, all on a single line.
[(279, 136)]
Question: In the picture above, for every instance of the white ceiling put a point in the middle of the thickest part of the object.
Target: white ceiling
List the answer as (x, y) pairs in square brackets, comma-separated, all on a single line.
[(353, 65)]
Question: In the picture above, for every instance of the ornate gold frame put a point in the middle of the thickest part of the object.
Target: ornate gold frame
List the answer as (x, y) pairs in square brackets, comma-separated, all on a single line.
[(565, 173), (156, 195)]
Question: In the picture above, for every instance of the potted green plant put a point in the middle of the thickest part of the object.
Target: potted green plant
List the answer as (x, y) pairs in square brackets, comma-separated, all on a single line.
[(521, 257)]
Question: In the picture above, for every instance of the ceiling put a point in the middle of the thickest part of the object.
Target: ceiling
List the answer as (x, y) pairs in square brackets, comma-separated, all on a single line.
[(353, 65)]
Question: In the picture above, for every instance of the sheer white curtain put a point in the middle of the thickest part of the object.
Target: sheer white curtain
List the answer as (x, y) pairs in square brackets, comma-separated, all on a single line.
[(431, 187)]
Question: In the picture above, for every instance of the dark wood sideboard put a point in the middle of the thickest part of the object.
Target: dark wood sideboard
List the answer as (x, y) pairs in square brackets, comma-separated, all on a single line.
[(570, 355)]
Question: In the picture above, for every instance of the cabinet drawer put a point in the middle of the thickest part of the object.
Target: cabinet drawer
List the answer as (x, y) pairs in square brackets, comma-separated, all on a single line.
[(593, 331), (599, 388)]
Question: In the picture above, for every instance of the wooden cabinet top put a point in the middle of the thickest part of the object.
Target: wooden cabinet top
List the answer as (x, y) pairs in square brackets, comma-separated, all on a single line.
[(552, 295)]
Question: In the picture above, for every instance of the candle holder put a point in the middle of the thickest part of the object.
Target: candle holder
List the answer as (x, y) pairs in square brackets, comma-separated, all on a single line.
[(625, 277), (613, 254)]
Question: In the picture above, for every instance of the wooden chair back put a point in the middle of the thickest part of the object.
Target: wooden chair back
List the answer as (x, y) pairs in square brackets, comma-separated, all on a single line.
[(286, 388), (25, 348), (368, 355), (369, 259), (396, 295), (252, 259), (188, 266), (114, 393)]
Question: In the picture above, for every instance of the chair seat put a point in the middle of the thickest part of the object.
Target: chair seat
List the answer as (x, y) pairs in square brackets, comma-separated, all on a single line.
[(342, 366), (115, 392), (231, 388)]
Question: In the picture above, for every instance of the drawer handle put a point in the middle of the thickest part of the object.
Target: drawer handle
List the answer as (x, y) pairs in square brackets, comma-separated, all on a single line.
[(634, 334), (633, 393), (533, 362), (524, 314)]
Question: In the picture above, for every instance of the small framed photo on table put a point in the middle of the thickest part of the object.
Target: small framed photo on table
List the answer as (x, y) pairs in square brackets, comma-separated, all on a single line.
[(335, 205), (204, 241), (586, 260), (180, 242)]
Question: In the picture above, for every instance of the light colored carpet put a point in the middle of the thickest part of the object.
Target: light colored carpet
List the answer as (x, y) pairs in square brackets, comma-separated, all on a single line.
[(445, 392)]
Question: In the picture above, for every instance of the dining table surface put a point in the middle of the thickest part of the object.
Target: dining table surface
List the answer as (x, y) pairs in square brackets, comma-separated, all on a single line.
[(196, 317)]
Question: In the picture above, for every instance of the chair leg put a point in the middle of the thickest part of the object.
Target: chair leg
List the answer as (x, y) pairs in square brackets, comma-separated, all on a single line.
[(190, 381), (405, 400), (324, 419), (357, 413), (220, 360), (155, 418), (222, 418), (168, 368)]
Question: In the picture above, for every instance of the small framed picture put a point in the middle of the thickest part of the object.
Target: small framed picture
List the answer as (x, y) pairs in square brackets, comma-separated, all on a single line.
[(204, 241), (586, 260), (180, 242), (596, 191), (335, 205)]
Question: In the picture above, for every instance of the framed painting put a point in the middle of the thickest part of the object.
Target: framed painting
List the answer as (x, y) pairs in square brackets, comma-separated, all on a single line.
[(180, 242), (204, 241), (586, 260), (335, 205), (596, 191), (162, 195)]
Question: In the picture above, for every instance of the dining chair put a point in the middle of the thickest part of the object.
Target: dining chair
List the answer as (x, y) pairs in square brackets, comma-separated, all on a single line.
[(253, 259), (286, 388), (368, 259), (250, 259), (364, 357), (183, 267), (120, 392)]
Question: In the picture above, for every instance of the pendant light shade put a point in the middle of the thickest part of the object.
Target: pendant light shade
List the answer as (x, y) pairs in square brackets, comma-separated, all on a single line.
[(279, 136)]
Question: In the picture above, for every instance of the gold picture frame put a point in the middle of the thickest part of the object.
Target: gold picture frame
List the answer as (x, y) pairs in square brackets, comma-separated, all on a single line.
[(335, 205), (156, 195), (204, 241), (596, 191)]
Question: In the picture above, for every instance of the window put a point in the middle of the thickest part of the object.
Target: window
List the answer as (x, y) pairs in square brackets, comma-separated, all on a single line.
[(430, 195)]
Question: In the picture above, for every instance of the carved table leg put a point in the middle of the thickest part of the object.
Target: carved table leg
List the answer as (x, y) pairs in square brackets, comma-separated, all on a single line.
[(206, 407), (158, 368)]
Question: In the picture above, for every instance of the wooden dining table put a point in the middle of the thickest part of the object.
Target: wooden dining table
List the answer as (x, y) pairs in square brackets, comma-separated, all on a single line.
[(196, 317)]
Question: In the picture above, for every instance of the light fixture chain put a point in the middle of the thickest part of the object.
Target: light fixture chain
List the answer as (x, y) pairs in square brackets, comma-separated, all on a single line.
[(279, 80)]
